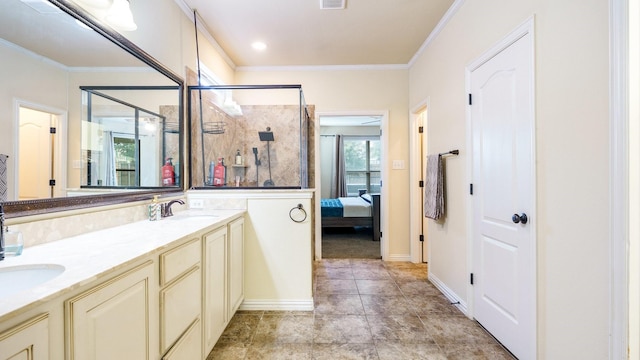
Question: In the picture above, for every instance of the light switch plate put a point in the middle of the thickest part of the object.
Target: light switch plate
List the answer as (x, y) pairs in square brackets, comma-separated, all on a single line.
[(397, 165)]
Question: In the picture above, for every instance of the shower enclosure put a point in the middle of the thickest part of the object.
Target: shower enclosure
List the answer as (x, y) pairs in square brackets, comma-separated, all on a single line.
[(249, 137)]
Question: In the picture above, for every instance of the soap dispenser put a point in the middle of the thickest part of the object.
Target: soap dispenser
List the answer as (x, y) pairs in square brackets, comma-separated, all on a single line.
[(154, 209)]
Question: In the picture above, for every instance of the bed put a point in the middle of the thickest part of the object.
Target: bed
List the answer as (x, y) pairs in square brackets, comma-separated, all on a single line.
[(363, 210)]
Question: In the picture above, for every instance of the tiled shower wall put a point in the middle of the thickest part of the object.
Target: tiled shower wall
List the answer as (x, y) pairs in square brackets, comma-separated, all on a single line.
[(241, 133)]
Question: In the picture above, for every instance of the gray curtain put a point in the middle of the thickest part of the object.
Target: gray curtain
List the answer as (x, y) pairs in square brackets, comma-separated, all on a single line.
[(339, 188)]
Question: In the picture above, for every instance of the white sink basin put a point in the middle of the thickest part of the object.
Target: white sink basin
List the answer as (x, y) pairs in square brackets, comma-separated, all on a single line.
[(192, 216), (14, 279)]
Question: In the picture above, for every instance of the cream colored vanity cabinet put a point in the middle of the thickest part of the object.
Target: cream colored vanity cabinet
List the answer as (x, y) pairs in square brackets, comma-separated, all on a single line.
[(116, 319), (27, 341), (216, 316), (236, 265), (181, 302)]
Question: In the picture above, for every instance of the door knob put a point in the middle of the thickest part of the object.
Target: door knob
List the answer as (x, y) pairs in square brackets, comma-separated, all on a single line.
[(522, 218)]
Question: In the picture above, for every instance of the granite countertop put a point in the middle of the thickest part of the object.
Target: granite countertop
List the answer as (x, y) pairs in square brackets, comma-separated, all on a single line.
[(92, 256)]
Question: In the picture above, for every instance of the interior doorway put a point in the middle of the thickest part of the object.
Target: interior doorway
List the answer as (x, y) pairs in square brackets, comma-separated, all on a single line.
[(40, 147), (355, 141), (417, 171)]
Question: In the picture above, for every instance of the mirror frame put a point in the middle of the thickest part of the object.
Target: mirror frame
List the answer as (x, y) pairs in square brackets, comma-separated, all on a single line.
[(14, 209)]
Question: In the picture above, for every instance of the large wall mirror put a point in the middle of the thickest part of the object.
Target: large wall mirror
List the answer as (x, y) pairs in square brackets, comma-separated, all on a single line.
[(87, 117)]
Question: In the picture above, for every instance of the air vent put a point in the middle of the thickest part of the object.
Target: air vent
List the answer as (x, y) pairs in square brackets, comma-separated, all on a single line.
[(332, 4)]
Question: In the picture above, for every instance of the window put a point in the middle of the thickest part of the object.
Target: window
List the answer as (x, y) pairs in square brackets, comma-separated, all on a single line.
[(125, 161), (362, 164)]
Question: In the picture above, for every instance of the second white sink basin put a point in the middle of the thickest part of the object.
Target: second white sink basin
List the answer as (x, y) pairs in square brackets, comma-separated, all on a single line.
[(14, 279)]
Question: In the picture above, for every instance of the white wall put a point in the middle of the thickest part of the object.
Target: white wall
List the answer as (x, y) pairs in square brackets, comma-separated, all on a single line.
[(337, 90), (572, 133)]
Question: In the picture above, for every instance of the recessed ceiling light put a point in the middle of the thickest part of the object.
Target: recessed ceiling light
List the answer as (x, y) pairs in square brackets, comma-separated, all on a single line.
[(259, 45)]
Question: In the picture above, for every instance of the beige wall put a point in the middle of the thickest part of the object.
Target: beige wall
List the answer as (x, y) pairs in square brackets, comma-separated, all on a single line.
[(177, 48), (362, 90), (30, 80), (572, 150)]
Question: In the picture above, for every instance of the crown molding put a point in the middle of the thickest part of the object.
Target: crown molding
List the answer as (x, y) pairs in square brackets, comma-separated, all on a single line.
[(365, 67)]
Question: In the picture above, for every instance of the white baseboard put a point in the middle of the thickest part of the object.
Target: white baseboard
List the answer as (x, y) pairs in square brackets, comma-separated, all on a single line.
[(399, 257), (277, 305), (449, 294)]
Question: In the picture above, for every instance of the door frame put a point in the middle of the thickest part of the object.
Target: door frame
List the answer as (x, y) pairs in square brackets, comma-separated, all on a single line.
[(415, 175), (525, 28), (384, 149), (623, 191), (60, 145)]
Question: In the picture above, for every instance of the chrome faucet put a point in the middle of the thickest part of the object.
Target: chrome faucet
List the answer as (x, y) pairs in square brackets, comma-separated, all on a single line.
[(165, 209), (1, 232)]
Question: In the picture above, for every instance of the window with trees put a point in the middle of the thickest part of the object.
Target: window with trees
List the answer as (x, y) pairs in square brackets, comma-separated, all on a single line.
[(125, 153), (362, 164)]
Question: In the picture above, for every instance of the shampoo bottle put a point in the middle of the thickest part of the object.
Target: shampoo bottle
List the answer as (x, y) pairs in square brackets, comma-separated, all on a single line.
[(238, 158), (220, 173)]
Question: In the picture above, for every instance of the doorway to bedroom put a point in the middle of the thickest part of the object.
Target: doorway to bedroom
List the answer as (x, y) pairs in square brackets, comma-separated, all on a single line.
[(350, 178)]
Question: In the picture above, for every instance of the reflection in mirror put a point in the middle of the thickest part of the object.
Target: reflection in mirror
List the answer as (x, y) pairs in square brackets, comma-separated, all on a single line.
[(50, 50), (125, 145)]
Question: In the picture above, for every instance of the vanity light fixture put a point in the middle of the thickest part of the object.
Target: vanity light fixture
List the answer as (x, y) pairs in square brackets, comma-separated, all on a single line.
[(120, 16), (149, 125)]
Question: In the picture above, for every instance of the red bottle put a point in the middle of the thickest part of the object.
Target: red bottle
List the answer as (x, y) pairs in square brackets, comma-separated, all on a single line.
[(168, 174), (220, 173)]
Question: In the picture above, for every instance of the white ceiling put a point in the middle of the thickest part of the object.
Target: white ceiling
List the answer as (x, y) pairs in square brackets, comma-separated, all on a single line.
[(299, 33)]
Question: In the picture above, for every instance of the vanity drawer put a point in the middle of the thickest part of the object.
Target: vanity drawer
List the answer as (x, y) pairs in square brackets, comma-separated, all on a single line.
[(180, 306), (175, 262)]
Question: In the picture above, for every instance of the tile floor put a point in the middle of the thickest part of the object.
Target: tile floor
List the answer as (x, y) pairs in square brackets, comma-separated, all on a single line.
[(364, 309)]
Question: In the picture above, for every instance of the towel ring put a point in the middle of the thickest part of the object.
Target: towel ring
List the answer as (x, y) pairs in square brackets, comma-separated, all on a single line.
[(299, 207)]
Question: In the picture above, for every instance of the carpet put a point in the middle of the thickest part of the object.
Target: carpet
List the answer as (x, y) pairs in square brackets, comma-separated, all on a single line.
[(349, 243)]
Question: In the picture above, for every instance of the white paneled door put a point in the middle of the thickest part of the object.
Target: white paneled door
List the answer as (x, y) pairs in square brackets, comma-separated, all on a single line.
[(502, 124)]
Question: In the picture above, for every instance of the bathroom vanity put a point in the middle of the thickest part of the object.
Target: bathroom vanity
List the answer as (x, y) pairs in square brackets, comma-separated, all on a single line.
[(146, 290)]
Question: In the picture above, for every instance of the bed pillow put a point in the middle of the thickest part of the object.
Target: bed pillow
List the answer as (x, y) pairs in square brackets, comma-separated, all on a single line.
[(366, 197)]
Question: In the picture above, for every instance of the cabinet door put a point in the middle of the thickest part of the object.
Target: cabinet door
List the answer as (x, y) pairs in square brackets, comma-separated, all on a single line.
[(236, 265), (189, 346), (215, 286), (111, 321), (28, 341)]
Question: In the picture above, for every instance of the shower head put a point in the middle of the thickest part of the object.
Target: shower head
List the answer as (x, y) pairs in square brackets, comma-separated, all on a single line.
[(266, 135)]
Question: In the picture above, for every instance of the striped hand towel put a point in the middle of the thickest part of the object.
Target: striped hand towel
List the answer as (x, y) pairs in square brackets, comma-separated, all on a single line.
[(4, 187)]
